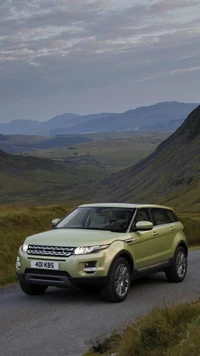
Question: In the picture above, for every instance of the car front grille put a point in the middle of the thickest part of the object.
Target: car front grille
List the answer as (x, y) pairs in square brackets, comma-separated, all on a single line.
[(57, 251)]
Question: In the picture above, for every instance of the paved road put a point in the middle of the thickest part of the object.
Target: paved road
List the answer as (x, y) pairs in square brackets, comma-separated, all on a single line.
[(63, 322)]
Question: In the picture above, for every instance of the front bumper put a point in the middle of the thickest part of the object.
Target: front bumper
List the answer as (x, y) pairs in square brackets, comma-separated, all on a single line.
[(58, 279), (71, 269)]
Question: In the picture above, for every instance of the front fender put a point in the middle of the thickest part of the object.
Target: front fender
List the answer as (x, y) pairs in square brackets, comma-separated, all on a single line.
[(115, 250)]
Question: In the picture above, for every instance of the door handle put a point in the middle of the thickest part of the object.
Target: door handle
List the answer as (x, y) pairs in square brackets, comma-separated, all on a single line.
[(132, 239), (173, 228), (155, 233)]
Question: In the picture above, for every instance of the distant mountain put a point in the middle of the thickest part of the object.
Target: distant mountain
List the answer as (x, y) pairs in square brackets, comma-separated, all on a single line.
[(171, 174), (27, 127), (19, 127), (79, 122), (57, 125), (59, 120), (3, 138), (159, 117)]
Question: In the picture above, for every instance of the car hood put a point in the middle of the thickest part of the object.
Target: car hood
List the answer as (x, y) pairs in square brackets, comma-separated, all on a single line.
[(74, 237)]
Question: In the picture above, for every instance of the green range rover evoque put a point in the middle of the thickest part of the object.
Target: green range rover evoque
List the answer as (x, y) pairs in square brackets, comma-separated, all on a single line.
[(104, 246)]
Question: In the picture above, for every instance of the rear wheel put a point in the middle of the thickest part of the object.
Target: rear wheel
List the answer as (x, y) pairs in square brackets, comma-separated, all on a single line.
[(32, 289), (119, 281), (178, 269)]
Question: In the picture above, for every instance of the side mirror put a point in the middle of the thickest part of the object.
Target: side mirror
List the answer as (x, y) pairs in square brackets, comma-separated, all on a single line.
[(55, 222), (144, 226)]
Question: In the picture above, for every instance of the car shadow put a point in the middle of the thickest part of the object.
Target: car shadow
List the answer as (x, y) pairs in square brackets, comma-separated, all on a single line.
[(75, 295)]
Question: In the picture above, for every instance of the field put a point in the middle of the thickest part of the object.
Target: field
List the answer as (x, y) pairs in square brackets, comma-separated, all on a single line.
[(111, 152)]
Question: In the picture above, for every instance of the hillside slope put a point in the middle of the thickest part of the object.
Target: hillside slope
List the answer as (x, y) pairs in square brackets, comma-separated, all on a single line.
[(32, 179), (171, 174)]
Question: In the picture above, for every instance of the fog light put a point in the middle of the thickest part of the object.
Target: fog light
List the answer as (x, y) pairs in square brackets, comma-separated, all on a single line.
[(90, 267), (18, 263)]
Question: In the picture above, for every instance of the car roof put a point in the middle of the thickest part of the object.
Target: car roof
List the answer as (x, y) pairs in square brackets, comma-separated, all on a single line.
[(124, 205)]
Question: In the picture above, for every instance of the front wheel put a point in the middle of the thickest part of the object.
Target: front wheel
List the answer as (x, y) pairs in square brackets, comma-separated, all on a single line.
[(32, 289), (119, 281), (178, 269)]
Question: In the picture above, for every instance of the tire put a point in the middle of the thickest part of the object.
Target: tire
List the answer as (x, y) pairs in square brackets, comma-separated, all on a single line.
[(119, 281), (32, 289), (177, 271)]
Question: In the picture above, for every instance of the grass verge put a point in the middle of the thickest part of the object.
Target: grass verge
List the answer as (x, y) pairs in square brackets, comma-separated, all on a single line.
[(16, 223), (166, 331)]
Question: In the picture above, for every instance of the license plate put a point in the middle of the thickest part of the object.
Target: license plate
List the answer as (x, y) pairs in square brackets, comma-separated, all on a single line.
[(45, 264)]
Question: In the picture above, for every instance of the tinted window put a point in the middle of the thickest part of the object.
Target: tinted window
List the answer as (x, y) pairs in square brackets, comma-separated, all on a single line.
[(159, 216), (171, 216), (98, 218), (142, 215)]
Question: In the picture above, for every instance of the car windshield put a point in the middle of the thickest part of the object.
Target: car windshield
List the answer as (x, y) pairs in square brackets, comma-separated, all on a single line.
[(98, 218)]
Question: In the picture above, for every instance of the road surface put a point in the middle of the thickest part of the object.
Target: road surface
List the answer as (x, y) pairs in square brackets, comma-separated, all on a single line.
[(63, 322)]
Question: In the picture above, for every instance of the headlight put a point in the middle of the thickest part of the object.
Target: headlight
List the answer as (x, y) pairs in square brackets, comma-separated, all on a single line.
[(24, 247), (86, 250), (18, 263)]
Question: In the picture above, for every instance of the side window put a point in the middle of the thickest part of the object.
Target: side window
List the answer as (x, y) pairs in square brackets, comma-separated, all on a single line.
[(142, 215), (171, 216), (159, 216)]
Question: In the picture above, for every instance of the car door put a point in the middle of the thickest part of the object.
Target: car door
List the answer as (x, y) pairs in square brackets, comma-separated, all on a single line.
[(166, 229), (145, 249)]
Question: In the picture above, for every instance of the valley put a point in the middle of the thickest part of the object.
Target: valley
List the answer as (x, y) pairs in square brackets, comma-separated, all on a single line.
[(67, 173)]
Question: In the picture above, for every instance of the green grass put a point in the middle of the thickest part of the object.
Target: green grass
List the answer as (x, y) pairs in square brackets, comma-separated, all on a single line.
[(16, 223), (166, 331), (191, 223)]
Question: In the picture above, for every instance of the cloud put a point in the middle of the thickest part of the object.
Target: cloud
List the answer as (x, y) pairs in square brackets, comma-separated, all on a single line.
[(185, 70), (49, 47)]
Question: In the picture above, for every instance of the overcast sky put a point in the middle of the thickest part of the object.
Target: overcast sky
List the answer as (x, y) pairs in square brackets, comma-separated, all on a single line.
[(87, 56)]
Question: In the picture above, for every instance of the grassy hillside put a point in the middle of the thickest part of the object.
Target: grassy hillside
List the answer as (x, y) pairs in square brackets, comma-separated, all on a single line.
[(43, 181), (166, 331), (171, 174)]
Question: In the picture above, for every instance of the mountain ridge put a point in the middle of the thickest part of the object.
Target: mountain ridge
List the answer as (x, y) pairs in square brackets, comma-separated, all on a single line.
[(153, 117)]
